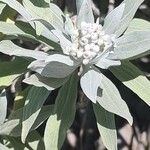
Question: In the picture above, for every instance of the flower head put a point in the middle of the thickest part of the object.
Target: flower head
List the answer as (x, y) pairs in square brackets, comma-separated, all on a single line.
[(90, 42)]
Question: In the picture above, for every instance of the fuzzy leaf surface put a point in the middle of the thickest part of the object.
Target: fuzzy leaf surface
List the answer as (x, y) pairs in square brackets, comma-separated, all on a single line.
[(134, 79), (106, 126)]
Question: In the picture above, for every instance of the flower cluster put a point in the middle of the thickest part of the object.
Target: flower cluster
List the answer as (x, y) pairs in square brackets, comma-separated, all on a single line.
[(89, 41)]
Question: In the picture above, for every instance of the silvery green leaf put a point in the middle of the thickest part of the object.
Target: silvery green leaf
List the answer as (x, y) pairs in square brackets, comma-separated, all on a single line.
[(112, 20), (85, 13), (3, 147), (132, 44), (134, 79), (90, 83), (32, 108), (9, 48), (105, 62), (13, 70), (106, 125), (3, 106), (65, 108), (138, 25), (52, 14), (111, 100), (35, 141), (12, 29), (13, 126), (14, 4), (2, 7), (78, 5), (55, 66), (131, 7), (49, 83), (69, 27), (7, 127), (25, 30), (64, 42)]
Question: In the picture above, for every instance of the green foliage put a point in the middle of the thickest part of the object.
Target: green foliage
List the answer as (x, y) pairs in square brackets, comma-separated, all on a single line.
[(82, 50)]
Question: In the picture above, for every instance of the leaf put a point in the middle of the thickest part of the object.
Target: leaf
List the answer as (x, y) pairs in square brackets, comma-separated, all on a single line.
[(13, 126), (132, 44), (33, 105), (9, 48), (12, 29), (112, 20), (131, 7), (11, 70), (112, 101), (2, 7), (14, 4), (90, 82), (134, 79), (65, 108), (138, 25), (35, 141), (25, 30), (3, 106), (105, 62), (78, 5), (2, 147), (106, 126), (51, 13), (64, 42), (8, 127), (69, 27), (55, 66), (49, 83), (85, 13)]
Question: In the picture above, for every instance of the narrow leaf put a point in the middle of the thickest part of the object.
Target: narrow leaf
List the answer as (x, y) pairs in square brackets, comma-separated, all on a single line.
[(131, 7), (33, 105), (138, 25), (65, 108), (7, 47), (112, 101), (132, 44), (3, 106), (106, 126), (55, 66), (90, 82), (134, 79), (2, 147), (49, 83), (113, 19), (85, 13), (2, 7), (13, 70)]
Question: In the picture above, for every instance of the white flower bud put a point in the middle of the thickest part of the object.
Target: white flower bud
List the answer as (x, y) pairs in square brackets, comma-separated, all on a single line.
[(107, 38), (86, 61), (100, 42), (73, 53), (87, 36), (87, 47), (94, 36), (96, 48), (84, 32), (79, 54), (92, 45), (83, 41), (101, 33), (87, 54), (93, 54), (100, 27), (83, 25)]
